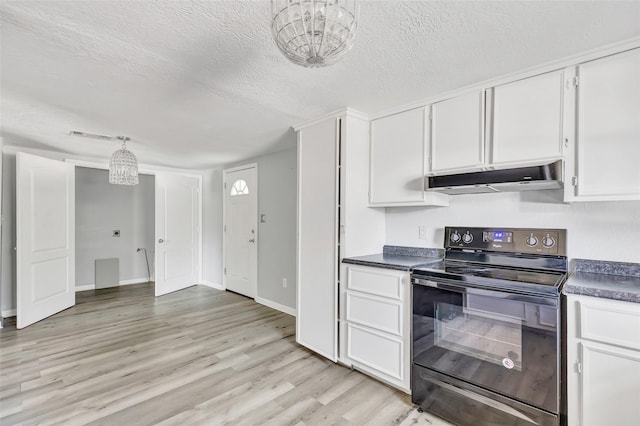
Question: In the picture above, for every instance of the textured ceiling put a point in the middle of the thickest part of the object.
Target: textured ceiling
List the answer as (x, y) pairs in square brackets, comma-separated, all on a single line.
[(200, 83)]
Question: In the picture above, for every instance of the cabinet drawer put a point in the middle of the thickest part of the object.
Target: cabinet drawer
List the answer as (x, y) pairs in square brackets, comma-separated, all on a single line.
[(610, 321), (375, 350), (379, 313), (376, 281)]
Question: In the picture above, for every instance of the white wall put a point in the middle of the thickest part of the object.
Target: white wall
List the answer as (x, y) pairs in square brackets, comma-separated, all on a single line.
[(277, 192), (102, 208), (595, 230), (212, 227)]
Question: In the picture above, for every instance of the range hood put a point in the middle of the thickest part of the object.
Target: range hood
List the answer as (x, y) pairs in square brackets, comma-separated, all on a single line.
[(546, 176)]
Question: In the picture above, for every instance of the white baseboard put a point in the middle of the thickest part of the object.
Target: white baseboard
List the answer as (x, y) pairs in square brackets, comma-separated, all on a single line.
[(85, 287), (212, 285), (135, 281), (277, 306), (123, 282), (9, 313)]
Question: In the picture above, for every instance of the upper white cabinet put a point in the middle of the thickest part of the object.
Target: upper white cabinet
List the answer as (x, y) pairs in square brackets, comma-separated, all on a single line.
[(528, 119), (457, 132), (608, 128), (398, 159)]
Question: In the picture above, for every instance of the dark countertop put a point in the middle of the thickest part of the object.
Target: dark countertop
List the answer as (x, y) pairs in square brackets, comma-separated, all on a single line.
[(399, 258), (608, 280), (391, 261)]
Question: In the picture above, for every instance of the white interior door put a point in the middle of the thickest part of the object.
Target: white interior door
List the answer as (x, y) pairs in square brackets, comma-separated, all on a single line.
[(45, 237), (241, 231), (177, 232)]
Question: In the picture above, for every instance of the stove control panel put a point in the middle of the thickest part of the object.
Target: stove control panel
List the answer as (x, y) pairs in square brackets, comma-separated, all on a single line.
[(511, 240)]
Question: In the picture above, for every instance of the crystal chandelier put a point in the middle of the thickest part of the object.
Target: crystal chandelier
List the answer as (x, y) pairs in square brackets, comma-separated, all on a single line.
[(123, 166), (314, 33)]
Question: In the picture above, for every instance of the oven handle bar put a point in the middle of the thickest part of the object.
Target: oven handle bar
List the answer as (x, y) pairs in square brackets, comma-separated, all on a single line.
[(466, 289)]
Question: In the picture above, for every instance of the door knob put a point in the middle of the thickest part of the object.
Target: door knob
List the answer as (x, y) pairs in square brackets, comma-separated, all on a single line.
[(253, 240), (160, 241)]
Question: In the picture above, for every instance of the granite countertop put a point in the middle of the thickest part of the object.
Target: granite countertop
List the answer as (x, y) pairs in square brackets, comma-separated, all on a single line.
[(398, 258), (608, 280)]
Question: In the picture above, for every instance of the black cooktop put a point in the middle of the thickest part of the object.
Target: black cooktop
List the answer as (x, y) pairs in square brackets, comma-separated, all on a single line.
[(517, 280)]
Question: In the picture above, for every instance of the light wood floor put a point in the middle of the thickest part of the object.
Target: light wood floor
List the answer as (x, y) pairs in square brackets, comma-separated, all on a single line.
[(196, 356)]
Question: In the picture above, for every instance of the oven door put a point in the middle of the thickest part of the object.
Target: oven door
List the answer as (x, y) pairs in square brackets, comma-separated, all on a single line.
[(502, 342)]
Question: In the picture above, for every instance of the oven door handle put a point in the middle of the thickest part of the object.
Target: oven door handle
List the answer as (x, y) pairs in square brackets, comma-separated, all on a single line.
[(440, 285), (467, 289)]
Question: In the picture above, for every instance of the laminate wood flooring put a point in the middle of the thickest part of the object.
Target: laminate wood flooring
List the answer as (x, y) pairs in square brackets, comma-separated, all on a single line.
[(198, 356)]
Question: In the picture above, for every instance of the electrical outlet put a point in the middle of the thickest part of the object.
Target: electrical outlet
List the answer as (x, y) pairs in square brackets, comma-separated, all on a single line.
[(422, 232), (284, 283)]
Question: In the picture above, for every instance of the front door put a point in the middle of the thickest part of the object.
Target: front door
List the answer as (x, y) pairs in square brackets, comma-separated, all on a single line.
[(177, 232), (45, 237), (241, 232)]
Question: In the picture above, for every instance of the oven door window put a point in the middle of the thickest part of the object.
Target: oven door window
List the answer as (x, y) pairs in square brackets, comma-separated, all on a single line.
[(488, 339), (483, 335)]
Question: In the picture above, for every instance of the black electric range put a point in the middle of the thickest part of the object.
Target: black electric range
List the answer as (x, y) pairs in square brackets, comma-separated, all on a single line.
[(487, 325)]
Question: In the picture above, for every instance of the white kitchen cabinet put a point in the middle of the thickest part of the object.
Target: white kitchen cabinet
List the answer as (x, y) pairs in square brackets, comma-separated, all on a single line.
[(608, 129), (334, 221), (377, 323), (603, 359), (398, 161), (457, 133), (527, 119)]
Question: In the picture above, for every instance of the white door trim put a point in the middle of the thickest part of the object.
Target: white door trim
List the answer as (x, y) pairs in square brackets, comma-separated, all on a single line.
[(224, 221), (1, 157)]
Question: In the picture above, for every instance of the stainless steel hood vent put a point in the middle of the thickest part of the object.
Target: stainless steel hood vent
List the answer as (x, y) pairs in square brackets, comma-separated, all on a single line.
[(547, 176)]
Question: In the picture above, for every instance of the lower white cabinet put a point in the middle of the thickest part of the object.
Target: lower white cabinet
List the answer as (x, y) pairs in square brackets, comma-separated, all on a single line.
[(603, 363), (376, 323)]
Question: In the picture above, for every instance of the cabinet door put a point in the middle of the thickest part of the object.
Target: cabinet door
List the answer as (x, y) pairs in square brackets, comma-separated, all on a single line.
[(457, 132), (609, 385), (527, 119), (377, 352), (608, 139), (397, 153), (316, 323)]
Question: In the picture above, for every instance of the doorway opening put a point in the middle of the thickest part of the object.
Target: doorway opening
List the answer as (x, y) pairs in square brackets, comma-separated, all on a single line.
[(115, 230), (46, 233)]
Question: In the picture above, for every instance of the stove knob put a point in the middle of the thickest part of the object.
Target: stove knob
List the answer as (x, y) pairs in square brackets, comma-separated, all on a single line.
[(548, 241), (467, 238), (454, 237), (531, 240)]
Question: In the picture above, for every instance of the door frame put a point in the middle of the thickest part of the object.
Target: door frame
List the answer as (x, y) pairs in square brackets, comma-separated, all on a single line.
[(151, 170), (226, 171), (1, 221)]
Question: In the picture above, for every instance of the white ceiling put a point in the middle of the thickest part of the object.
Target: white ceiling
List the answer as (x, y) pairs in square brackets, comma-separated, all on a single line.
[(200, 83)]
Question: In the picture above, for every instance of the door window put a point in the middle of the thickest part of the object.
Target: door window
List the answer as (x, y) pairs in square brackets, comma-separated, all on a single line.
[(239, 187)]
